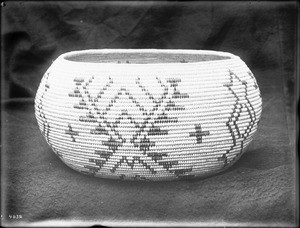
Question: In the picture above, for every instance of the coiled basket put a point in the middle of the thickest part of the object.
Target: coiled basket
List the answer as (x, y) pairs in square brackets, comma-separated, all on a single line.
[(148, 114)]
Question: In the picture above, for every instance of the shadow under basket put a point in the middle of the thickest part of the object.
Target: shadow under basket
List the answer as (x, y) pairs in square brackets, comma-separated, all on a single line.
[(148, 114)]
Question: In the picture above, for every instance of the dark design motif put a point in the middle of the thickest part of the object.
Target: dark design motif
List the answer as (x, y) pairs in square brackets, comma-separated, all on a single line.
[(71, 132), (151, 125), (40, 110), (235, 115), (199, 133), (254, 80), (40, 105), (131, 164)]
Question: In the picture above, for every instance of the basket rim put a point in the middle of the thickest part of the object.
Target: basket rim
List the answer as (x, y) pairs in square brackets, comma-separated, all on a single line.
[(65, 57)]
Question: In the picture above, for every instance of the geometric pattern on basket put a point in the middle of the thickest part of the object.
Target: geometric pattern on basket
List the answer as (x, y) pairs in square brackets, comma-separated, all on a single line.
[(46, 128), (140, 139), (240, 106), (151, 124)]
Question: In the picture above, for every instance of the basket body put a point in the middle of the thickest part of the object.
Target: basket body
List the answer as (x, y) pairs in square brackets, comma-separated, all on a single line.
[(132, 114)]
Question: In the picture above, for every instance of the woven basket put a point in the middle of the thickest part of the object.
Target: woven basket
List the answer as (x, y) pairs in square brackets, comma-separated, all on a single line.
[(148, 114)]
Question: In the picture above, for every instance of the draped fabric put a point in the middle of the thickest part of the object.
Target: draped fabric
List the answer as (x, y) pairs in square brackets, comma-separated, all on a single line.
[(258, 190)]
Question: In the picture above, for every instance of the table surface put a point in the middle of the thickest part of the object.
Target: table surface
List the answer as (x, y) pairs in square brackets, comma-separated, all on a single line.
[(258, 189)]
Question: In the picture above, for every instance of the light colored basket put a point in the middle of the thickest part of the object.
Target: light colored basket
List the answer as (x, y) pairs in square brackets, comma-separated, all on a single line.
[(148, 114)]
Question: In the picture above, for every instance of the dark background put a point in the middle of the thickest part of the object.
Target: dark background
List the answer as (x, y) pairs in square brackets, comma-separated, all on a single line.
[(258, 190)]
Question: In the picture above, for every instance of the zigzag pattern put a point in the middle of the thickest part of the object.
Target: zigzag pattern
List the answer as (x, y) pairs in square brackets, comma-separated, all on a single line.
[(235, 115), (140, 139)]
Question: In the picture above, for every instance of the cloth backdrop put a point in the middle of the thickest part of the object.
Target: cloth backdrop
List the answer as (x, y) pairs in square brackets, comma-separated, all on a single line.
[(36, 187)]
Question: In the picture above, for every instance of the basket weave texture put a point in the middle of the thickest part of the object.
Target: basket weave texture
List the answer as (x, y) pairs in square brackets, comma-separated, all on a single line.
[(148, 114)]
